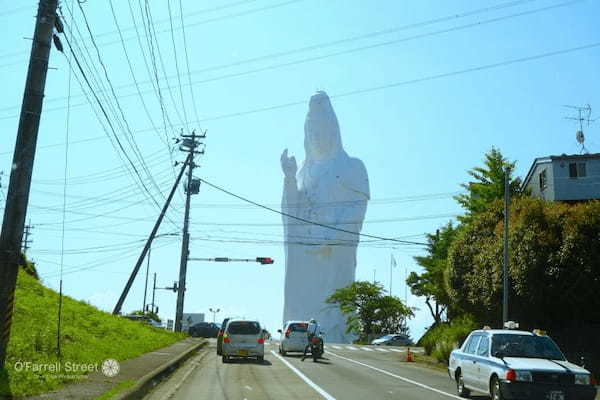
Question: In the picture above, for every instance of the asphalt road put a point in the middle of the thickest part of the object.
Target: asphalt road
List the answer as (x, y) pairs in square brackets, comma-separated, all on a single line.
[(347, 372)]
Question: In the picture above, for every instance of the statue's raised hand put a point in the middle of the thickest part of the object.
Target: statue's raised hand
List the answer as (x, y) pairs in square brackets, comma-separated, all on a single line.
[(288, 165)]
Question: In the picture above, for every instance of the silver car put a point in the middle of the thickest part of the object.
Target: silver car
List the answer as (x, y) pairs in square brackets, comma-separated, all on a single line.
[(244, 339), (293, 337)]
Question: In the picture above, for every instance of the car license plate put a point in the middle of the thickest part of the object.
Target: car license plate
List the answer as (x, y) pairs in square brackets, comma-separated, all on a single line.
[(555, 395), (245, 353)]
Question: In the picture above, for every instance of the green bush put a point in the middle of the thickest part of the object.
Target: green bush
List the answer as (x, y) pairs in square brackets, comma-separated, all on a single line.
[(440, 340)]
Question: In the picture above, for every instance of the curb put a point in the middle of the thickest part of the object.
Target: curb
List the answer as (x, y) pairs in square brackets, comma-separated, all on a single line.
[(150, 380)]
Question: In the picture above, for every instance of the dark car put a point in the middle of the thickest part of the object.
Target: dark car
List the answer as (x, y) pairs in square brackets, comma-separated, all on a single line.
[(204, 329), (220, 336)]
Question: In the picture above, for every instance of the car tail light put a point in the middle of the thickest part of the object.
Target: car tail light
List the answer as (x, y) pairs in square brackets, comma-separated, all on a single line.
[(511, 375), (226, 339), (261, 341), (288, 333), (220, 333)]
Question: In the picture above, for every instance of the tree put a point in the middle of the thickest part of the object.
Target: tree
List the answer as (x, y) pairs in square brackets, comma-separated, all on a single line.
[(554, 271), (488, 185), (368, 310), (431, 283)]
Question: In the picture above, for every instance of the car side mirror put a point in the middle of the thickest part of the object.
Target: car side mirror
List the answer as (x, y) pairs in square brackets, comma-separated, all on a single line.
[(278, 330), (498, 354)]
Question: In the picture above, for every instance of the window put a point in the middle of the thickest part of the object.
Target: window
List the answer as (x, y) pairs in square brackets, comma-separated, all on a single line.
[(484, 346), (577, 170), (243, 328), (471, 346), (543, 180)]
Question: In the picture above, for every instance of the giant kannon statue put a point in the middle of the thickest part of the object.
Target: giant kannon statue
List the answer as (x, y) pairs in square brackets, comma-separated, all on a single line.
[(332, 189)]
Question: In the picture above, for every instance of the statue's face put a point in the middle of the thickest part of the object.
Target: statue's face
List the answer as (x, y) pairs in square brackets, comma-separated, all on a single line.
[(320, 126)]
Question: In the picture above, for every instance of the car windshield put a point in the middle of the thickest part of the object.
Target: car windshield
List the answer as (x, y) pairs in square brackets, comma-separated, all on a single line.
[(243, 328), (511, 345), (299, 327), (387, 337)]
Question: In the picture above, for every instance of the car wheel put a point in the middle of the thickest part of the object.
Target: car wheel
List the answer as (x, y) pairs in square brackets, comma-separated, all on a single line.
[(495, 389), (460, 387), (225, 359), (283, 352)]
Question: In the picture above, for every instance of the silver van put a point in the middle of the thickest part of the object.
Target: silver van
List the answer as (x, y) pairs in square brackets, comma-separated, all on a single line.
[(242, 338)]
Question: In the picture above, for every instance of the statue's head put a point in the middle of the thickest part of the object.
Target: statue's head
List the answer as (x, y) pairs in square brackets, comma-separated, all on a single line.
[(321, 129)]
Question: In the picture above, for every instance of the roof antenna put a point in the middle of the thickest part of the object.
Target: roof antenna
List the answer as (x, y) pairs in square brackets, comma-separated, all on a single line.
[(584, 115)]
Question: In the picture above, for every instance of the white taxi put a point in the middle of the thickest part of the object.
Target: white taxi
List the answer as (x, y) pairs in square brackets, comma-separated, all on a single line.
[(511, 364)]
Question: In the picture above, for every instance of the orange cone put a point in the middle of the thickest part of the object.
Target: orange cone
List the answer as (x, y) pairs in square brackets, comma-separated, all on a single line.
[(409, 357)]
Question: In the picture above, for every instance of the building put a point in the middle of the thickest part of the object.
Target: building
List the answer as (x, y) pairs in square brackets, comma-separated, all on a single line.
[(569, 178)]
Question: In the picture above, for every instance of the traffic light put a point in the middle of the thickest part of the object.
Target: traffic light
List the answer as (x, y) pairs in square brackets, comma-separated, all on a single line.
[(264, 260)]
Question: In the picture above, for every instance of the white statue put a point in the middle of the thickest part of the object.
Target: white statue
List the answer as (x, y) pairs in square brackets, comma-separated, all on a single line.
[(331, 189)]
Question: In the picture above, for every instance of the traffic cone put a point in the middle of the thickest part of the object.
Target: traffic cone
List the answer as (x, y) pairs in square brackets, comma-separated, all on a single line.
[(409, 357)]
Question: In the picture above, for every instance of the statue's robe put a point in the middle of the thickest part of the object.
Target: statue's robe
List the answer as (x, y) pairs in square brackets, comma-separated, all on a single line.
[(332, 190)]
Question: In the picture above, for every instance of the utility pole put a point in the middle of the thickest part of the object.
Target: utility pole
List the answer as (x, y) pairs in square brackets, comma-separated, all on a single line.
[(138, 264), (147, 272), (505, 264), (19, 186), (188, 144)]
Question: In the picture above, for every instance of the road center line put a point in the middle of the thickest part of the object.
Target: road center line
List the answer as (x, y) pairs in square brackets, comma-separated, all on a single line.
[(310, 383), (397, 376)]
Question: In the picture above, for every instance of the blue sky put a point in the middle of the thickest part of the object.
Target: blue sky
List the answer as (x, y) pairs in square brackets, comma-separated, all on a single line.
[(405, 81)]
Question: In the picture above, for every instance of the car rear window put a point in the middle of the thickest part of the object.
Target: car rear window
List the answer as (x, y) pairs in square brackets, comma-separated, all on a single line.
[(298, 327), (243, 328)]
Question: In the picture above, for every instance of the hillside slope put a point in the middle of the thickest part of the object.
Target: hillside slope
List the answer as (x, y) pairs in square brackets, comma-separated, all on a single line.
[(89, 336)]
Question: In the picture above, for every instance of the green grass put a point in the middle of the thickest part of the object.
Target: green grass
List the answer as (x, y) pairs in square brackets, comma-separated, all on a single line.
[(89, 336), (440, 340), (116, 390)]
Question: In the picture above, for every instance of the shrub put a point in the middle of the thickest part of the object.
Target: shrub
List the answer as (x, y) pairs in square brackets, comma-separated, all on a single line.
[(440, 340)]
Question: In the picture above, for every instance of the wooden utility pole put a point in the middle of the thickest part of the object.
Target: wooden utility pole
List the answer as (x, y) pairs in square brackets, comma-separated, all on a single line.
[(22, 167), (189, 143)]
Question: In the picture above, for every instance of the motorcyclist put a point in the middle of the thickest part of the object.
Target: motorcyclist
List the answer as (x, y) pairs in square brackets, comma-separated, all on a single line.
[(313, 333)]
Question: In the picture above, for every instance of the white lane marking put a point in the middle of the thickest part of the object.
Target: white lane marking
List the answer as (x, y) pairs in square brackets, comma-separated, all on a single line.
[(365, 348), (248, 387), (397, 351), (351, 348), (310, 383), (336, 347), (381, 350), (397, 376)]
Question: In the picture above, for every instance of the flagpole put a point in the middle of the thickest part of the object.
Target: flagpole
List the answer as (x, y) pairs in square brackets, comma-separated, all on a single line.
[(390, 275)]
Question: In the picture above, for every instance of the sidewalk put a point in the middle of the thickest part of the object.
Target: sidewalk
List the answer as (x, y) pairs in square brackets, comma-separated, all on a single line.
[(142, 370)]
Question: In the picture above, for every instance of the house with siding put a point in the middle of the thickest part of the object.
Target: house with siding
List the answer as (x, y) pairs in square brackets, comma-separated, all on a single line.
[(568, 178)]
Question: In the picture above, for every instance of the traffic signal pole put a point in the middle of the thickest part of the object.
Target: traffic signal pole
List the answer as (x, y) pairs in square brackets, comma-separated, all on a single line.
[(17, 196)]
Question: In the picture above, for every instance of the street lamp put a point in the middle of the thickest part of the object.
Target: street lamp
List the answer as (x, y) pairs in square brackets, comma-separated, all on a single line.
[(214, 313)]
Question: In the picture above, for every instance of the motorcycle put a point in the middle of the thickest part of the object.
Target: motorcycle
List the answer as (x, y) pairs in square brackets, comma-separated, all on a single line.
[(316, 348)]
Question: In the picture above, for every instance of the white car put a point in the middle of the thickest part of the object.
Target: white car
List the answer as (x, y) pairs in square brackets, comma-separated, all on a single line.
[(293, 337), (242, 338), (509, 364)]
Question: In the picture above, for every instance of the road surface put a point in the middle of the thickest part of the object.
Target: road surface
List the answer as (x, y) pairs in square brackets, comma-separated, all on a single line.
[(347, 372)]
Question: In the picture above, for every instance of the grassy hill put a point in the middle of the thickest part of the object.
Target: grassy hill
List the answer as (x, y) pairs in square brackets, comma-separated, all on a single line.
[(89, 336)]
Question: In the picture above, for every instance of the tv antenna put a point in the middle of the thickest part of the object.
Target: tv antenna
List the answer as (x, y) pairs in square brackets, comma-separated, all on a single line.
[(584, 116)]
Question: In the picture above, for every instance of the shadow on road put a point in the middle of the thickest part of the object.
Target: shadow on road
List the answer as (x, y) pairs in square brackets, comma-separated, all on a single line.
[(264, 363)]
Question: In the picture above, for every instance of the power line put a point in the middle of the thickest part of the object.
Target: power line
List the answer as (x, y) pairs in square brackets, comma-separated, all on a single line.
[(177, 66), (365, 36), (306, 220)]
